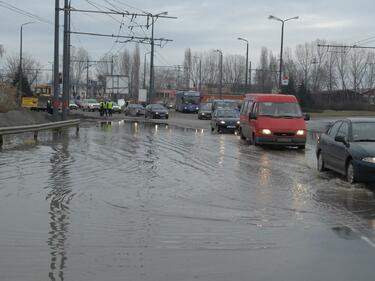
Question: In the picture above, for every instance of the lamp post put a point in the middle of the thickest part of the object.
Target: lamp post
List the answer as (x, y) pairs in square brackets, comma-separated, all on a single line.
[(282, 42), (247, 60), (20, 70), (221, 73), (144, 70)]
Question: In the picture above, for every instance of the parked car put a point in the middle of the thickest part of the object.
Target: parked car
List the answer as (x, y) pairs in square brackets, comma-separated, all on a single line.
[(273, 119), (225, 120), (116, 108), (90, 105), (348, 147), (156, 111), (205, 111), (73, 106), (134, 110)]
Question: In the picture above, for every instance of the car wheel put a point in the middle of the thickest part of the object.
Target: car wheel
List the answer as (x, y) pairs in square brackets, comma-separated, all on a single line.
[(350, 177), (212, 129), (241, 135), (320, 163)]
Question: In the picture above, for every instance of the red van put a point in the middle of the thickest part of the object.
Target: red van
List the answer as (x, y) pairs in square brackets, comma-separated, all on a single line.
[(272, 119)]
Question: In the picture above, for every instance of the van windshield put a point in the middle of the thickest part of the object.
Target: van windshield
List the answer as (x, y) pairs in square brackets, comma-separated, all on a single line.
[(280, 109)]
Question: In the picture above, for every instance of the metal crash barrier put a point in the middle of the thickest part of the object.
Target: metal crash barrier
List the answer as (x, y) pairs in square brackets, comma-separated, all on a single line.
[(36, 128)]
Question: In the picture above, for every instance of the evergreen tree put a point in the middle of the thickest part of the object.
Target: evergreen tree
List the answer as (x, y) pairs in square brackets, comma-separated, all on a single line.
[(290, 89), (302, 95), (26, 90)]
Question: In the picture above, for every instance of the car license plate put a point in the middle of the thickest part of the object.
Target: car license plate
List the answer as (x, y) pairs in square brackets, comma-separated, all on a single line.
[(284, 140), (231, 127)]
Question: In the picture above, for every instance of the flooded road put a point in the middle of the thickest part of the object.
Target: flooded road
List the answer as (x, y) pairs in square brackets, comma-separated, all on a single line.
[(125, 201)]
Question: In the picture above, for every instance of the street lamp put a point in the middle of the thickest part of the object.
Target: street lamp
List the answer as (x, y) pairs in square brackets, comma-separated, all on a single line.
[(282, 41), (247, 59), (20, 70), (221, 73)]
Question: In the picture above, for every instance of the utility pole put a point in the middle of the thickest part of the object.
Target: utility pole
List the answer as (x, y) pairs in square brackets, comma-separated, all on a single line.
[(144, 70), (151, 91), (112, 71), (66, 63), (55, 103)]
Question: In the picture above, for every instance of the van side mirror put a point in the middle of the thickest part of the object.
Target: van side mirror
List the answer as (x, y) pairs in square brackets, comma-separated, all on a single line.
[(306, 116), (252, 116)]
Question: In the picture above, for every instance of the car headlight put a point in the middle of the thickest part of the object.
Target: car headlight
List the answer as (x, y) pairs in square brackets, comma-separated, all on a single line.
[(156, 112), (222, 122), (185, 107), (266, 132), (202, 113), (197, 108), (369, 159), (238, 122), (300, 132)]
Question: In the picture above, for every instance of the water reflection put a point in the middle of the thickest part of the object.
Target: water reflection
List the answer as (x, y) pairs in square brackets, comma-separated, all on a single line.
[(59, 196), (264, 174)]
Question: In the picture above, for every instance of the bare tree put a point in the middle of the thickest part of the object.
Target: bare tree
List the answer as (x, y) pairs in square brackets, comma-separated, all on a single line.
[(187, 68), (79, 56), (233, 70), (135, 71), (30, 67)]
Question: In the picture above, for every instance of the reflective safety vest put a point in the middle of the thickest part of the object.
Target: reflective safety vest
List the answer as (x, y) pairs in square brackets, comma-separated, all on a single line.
[(109, 105), (102, 104)]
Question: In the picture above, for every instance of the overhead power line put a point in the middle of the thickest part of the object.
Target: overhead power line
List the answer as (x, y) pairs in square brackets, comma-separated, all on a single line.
[(24, 12)]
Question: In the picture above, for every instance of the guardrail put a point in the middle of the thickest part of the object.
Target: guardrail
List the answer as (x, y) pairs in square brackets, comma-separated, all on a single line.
[(36, 128)]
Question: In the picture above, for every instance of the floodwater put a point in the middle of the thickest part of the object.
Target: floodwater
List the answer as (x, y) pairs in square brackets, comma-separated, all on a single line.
[(125, 201)]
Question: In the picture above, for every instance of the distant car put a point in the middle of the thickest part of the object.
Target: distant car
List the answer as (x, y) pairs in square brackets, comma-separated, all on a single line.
[(230, 104), (73, 106), (156, 111), (225, 120), (90, 105), (116, 108), (134, 110), (205, 111), (348, 147)]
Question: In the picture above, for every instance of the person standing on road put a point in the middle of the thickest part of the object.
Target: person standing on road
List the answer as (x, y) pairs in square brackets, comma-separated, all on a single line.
[(102, 108), (109, 107)]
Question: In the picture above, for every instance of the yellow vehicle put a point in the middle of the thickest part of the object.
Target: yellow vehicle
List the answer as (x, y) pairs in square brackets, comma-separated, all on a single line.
[(42, 93)]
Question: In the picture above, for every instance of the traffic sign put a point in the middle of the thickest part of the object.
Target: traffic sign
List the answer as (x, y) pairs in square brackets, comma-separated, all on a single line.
[(285, 80)]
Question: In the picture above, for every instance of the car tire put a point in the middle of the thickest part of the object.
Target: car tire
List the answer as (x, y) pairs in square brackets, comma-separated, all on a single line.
[(350, 177), (320, 163), (241, 135)]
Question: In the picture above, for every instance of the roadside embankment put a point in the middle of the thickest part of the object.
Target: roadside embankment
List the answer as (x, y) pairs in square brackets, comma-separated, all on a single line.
[(23, 117)]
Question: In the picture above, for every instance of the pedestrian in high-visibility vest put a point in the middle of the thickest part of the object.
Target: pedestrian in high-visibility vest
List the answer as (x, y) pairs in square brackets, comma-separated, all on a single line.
[(102, 107), (109, 107), (105, 103)]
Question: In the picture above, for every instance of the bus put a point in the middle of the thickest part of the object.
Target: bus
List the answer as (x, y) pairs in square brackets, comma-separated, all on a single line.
[(188, 101)]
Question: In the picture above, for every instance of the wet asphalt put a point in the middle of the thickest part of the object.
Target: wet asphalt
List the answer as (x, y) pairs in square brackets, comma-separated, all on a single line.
[(135, 201)]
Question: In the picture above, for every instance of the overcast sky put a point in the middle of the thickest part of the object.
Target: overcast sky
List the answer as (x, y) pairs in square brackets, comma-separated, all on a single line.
[(202, 25)]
